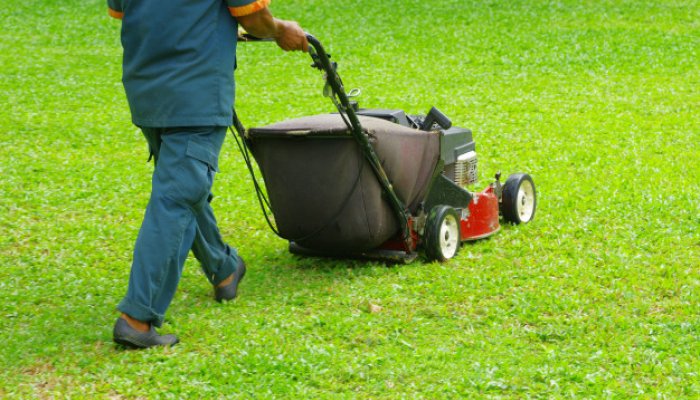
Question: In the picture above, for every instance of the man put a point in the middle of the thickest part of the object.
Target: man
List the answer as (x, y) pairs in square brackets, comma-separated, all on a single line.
[(178, 64)]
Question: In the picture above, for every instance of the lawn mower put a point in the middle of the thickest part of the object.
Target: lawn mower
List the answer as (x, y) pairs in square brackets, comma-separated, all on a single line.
[(376, 183)]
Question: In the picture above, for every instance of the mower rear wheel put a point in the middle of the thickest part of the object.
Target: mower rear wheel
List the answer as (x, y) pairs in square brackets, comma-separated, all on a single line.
[(442, 233), (519, 200)]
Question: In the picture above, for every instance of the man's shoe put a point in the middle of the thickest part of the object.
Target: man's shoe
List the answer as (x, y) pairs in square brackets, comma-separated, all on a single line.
[(229, 291), (125, 335)]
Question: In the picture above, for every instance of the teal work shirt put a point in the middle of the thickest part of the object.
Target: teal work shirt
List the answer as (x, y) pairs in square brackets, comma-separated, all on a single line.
[(179, 58)]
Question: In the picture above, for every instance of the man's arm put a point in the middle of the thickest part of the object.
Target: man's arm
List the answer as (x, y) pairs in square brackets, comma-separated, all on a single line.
[(288, 34)]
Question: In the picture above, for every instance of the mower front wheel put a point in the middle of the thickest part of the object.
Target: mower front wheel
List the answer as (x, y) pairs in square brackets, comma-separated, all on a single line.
[(442, 233), (519, 200)]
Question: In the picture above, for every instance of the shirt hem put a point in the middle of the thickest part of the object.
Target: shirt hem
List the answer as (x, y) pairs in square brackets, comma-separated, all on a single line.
[(166, 123)]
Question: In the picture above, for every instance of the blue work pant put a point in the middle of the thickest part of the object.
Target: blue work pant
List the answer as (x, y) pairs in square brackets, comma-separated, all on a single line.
[(178, 219)]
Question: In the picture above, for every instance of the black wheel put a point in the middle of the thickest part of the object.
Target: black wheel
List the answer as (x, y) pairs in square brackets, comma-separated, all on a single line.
[(519, 200), (442, 233)]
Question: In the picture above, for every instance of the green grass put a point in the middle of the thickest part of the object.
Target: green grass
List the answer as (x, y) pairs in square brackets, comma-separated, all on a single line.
[(597, 298)]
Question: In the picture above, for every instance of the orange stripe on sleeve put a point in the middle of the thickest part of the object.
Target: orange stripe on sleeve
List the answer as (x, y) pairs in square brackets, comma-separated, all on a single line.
[(249, 9), (115, 14)]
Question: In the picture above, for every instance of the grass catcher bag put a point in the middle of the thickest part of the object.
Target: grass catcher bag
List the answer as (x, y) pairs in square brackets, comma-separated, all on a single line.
[(324, 194)]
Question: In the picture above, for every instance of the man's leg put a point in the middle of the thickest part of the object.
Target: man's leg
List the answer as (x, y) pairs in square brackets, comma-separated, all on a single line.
[(182, 180), (219, 261)]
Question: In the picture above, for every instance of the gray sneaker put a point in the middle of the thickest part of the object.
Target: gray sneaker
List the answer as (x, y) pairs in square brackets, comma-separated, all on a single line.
[(230, 291), (125, 335)]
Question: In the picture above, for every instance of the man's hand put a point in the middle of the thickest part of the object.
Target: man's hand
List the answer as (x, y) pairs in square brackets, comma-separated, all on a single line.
[(288, 34)]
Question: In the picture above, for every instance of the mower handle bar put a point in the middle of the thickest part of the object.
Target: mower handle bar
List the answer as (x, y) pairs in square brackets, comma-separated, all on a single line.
[(322, 61)]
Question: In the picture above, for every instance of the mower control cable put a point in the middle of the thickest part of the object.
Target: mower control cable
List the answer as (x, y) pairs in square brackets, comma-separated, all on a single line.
[(243, 148)]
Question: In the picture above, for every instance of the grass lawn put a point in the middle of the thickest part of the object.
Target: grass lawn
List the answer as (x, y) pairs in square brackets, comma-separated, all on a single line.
[(598, 298)]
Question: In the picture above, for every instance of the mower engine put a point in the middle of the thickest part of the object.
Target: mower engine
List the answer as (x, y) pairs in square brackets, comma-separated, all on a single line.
[(457, 147), (459, 154)]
